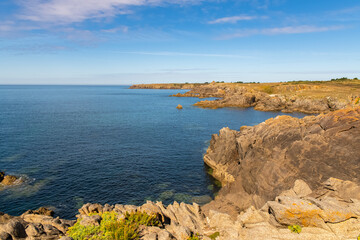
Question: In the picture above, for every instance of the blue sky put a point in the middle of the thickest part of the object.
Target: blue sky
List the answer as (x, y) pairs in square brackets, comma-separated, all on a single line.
[(148, 41)]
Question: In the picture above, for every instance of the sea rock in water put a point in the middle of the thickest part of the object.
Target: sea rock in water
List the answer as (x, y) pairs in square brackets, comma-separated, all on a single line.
[(179, 107), (258, 163), (9, 180)]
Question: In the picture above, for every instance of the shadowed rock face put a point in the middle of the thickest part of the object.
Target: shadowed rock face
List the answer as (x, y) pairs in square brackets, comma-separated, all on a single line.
[(257, 163)]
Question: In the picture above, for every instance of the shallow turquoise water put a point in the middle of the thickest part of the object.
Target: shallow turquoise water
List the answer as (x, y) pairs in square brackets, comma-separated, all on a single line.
[(106, 144)]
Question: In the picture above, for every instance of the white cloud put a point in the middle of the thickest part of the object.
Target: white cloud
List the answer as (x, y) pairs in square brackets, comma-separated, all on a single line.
[(71, 11), (233, 19), (282, 30)]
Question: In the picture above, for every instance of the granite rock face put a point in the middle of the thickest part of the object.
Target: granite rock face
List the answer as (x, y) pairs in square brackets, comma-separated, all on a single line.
[(258, 163)]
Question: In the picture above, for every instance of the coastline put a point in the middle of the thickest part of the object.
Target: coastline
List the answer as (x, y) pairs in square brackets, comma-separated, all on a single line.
[(305, 96), (260, 195)]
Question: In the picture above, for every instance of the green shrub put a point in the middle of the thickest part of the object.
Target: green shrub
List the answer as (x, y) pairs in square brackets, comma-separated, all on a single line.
[(113, 229), (194, 237), (214, 235), (295, 229), (358, 238)]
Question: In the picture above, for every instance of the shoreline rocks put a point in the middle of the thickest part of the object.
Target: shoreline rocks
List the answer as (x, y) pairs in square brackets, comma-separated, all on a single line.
[(328, 212), (307, 97), (37, 224)]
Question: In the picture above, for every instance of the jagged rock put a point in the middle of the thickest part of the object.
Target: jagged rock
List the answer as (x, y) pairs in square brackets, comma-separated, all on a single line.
[(156, 233), (93, 220), (34, 230), (300, 189), (91, 208), (266, 159), (40, 211)]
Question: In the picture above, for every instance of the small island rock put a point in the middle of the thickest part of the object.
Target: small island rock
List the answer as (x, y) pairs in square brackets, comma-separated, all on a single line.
[(179, 107)]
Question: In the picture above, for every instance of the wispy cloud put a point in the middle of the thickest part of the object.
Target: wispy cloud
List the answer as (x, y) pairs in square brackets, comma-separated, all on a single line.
[(123, 29), (70, 11), (189, 54), (233, 19), (278, 31)]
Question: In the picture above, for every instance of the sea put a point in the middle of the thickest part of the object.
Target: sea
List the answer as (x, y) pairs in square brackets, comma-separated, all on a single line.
[(107, 144)]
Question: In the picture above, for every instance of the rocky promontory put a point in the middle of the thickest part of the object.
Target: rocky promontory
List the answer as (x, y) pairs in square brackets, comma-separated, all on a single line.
[(305, 96), (258, 163)]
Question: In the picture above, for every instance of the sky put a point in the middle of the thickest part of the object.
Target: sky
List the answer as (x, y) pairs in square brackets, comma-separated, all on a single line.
[(117, 42)]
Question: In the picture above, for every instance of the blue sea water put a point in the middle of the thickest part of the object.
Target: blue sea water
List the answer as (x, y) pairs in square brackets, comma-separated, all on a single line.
[(107, 144)]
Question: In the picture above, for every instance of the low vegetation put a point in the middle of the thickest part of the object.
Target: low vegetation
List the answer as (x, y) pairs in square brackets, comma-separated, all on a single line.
[(194, 237), (214, 235), (295, 228), (111, 228)]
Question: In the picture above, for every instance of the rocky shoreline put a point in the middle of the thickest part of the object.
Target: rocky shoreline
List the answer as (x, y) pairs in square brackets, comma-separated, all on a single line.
[(329, 212), (306, 97), (285, 178)]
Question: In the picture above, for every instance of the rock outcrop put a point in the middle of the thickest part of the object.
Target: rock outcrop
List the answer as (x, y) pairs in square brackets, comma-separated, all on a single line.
[(34, 225), (8, 180), (331, 211), (257, 163)]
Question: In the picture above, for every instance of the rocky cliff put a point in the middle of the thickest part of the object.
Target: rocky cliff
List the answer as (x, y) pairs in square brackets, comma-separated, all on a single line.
[(257, 163)]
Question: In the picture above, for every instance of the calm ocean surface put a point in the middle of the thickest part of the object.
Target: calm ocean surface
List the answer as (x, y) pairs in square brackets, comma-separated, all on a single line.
[(106, 144)]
